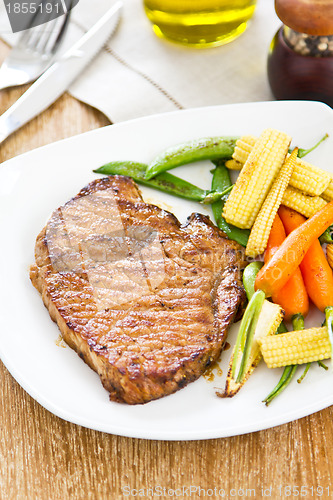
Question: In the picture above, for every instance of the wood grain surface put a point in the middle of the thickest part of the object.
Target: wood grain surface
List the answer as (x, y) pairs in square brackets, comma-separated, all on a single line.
[(43, 457)]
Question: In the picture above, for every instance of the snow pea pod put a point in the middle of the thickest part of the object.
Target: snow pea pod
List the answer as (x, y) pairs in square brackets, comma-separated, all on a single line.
[(164, 182), (221, 180), (205, 148)]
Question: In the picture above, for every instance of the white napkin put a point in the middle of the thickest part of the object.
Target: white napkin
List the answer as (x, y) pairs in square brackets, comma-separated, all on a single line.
[(138, 74)]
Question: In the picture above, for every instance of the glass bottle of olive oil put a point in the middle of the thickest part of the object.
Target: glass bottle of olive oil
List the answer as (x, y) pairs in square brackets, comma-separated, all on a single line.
[(199, 23)]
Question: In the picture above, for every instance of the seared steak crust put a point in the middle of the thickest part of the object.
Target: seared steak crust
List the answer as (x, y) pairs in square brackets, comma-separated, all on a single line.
[(146, 344)]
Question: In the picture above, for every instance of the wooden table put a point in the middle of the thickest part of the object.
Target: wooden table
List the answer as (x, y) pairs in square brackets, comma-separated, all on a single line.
[(45, 458)]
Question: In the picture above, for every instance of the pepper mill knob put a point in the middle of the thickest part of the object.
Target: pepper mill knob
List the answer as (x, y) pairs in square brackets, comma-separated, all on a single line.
[(300, 60), (314, 17)]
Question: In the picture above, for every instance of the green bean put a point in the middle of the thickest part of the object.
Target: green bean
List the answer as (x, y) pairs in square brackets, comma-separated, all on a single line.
[(298, 321), (286, 377), (164, 182), (281, 329), (206, 148), (322, 365), (289, 371), (306, 369), (221, 180)]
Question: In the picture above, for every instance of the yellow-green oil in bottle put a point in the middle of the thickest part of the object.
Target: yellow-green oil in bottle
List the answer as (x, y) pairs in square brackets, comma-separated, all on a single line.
[(199, 23)]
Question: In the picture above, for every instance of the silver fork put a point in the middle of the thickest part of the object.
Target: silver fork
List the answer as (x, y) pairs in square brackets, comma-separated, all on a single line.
[(35, 49)]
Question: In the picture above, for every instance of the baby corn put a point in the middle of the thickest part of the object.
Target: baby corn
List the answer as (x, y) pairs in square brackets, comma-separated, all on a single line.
[(263, 224), (305, 177), (328, 193), (233, 165), (305, 205), (256, 178), (329, 254), (294, 348), (243, 148), (309, 179)]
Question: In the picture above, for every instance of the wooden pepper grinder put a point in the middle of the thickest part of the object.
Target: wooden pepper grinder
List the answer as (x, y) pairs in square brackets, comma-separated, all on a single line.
[(300, 61)]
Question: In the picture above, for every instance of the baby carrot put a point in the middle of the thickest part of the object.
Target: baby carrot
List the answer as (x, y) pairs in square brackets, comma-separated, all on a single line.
[(292, 297), (316, 272), (275, 274)]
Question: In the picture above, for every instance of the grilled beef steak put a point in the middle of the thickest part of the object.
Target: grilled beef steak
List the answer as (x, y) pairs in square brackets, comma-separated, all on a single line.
[(144, 301)]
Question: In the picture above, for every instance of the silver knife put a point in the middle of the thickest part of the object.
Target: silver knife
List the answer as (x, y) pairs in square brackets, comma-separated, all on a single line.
[(56, 80)]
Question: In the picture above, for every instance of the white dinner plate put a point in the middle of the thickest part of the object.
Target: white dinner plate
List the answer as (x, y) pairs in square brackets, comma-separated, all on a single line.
[(34, 184)]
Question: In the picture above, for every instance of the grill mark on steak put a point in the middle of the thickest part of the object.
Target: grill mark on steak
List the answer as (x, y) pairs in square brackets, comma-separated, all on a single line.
[(148, 344)]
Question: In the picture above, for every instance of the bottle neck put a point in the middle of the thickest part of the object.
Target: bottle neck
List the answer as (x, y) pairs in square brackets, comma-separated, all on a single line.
[(308, 45)]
